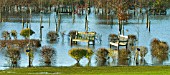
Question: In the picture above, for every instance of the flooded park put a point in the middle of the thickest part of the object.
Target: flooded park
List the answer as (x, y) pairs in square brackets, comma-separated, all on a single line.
[(102, 24)]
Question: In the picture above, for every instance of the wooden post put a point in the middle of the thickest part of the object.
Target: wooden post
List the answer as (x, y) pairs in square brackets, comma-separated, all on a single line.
[(22, 23), (149, 26), (41, 27), (27, 24), (49, 20), (73, 16), (147, 20), (86, 23), (1, 15)]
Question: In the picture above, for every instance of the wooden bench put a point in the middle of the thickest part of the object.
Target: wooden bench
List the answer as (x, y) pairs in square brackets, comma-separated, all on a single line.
[(88, 37), (122, 41)]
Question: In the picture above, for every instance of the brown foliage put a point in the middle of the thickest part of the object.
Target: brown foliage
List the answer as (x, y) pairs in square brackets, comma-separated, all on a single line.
[(21, 43)]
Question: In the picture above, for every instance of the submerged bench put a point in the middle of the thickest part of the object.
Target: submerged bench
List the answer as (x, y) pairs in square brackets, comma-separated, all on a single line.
[(88, 37), (121, 41)]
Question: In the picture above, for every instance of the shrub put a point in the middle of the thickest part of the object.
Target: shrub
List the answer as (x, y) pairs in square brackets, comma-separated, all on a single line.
[(132, 39), (159, 50), (14, 55), (5, 35), (47, 54), (78, 53), (89, 53), (52, 35), (14, 34), (26, 32), (102, 56), (123, 57)]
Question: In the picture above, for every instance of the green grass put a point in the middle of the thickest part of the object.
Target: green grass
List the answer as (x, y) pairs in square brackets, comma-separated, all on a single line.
[(121, 70)]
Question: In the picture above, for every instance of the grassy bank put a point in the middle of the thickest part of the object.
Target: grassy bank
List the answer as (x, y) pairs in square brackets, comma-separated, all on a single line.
[(129, 70)]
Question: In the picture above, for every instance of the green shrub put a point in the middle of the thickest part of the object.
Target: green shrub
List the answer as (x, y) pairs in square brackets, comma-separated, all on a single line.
[(78, 53), (26, 32), (89, 53)]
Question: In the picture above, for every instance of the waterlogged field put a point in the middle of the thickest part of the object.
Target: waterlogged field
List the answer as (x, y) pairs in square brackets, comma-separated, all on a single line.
[(159, 29)]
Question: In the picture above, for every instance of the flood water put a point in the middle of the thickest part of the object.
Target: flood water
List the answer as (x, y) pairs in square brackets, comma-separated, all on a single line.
[(160, 28)]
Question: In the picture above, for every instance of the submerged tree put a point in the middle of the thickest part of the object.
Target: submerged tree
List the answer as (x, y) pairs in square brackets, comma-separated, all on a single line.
[(48, 54)]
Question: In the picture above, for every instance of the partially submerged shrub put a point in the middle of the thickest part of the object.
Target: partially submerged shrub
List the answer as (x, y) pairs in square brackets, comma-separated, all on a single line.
[(89, 53), (5, 35), (14, 55), (123, 57), (47, 54), (159, 50), (26, 32), (21, 43), (52, 35), (132, 39), (14, 34), (78, 53), (102, 56)]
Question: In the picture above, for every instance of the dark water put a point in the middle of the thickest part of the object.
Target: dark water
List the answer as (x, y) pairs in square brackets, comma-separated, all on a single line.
[(160, 28)]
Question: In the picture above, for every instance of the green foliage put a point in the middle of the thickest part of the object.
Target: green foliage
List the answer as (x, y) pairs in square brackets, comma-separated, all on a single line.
[(89, 53), (79, 53), (26, 32), (47, 54)]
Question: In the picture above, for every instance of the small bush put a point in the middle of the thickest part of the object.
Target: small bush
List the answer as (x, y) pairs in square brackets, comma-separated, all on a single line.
[(47, 54), (78, 53), (26, 32), (102, 56), (52, 35), (5, 35), (159, 50), (123, 57), (14, 34), (14, 55)]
